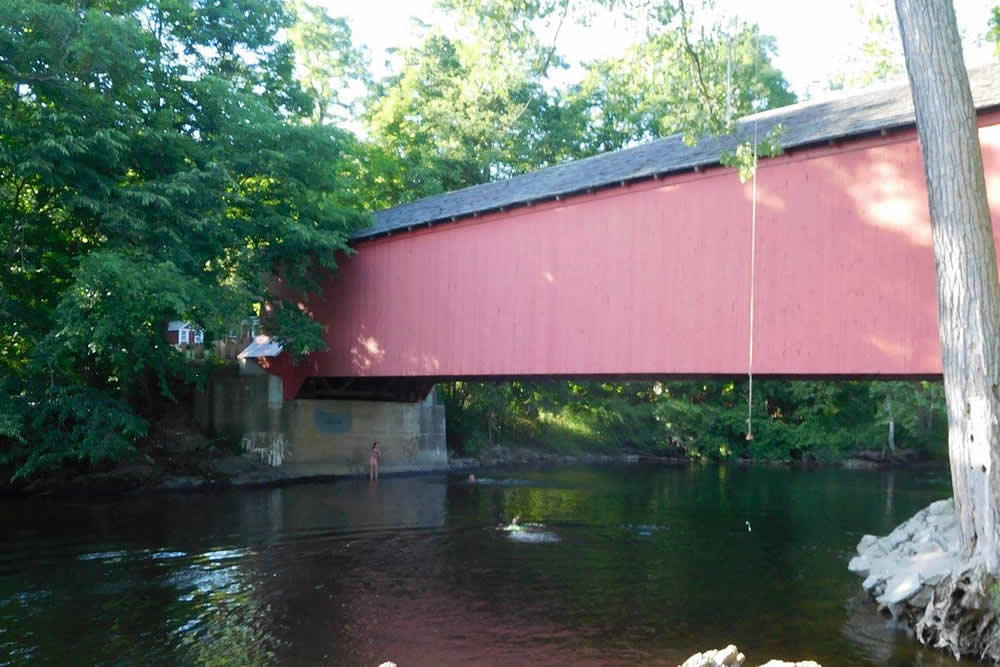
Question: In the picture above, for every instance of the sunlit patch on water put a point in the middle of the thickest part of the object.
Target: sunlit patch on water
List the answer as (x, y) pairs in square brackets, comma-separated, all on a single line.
[(160, 555), (189, 625), (103, 555), (26, 598), (643, 529), (223, 554), (530, 533), (196, 579)]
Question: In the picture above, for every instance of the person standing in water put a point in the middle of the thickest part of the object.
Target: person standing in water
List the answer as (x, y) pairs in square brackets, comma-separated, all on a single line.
[(373, 461)]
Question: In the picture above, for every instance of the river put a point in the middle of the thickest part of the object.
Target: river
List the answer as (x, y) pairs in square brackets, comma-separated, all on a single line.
[(632, 565)]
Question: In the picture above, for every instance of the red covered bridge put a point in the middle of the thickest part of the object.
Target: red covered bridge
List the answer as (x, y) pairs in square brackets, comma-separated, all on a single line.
[(638, 262)]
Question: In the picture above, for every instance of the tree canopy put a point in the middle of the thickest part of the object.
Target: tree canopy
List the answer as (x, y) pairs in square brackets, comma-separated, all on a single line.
[(153, 166)]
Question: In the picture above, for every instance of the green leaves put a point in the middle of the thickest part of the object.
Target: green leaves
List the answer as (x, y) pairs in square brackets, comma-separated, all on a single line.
[(703, 420), (329, 64), (747, 154), (485, 107), (154, 165), (71, 423)]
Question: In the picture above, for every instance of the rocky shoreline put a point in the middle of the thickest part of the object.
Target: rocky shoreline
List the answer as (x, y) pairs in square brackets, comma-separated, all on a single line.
[(732, 657), (918, 578)]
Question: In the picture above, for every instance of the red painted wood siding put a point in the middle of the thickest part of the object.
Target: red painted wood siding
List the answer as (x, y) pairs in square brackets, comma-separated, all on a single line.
[(654, 278)]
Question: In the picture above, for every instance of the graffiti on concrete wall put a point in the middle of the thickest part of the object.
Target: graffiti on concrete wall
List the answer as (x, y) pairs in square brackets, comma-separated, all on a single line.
[(267, 447)]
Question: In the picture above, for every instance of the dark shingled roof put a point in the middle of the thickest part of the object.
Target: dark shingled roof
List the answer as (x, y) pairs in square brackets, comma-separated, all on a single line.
[(803, 124)]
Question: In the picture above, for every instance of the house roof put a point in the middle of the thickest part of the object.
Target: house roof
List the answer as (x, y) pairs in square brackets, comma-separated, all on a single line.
[(803, 124), (262, 346)]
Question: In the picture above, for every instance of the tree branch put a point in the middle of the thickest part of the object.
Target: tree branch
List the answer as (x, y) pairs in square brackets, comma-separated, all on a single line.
[(548, 59), (695, 60)]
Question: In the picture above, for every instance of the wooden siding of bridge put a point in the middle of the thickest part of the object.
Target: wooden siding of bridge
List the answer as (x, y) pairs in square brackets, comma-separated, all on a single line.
[(654, 278)]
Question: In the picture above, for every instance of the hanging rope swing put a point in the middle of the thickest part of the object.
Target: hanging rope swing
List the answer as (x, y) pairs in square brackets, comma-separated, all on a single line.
[(753, 271)]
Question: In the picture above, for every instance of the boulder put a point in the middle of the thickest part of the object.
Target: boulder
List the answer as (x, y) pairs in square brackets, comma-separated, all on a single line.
[(866, 542), (860, 565), (920, 575), (731, 657), (942, 507), (901, 587), (722, 657)]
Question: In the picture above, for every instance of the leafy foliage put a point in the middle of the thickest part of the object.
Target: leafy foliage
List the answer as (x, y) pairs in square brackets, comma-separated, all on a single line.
[(467, 111), (792, 420), (153, 166), (329, 65), (666, 85)]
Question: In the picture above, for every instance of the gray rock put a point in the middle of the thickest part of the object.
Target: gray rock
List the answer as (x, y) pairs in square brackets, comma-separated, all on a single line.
[(860, 565), (934, 565), (942, 507), (866, 543), (723, 657), (900, 588), (731, 657), (872, 581), (921, 599)]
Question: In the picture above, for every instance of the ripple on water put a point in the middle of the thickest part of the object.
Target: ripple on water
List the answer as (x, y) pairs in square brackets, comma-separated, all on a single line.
[(643, 529), (104, 555), (489, 481), (224, 554), (532, 534), (26, 598)]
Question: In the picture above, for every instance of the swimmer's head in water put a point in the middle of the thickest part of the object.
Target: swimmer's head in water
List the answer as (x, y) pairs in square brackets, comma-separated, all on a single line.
[(472, 478), (516, 521)]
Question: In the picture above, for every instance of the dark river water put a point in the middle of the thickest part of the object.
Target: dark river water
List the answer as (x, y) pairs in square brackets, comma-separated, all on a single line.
[(633, 565)]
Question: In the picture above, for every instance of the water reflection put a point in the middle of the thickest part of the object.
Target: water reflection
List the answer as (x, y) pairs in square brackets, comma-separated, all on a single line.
[(637, 565)]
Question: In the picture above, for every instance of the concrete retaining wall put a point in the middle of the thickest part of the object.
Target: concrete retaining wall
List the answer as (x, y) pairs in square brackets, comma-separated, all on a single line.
[(322, 437)]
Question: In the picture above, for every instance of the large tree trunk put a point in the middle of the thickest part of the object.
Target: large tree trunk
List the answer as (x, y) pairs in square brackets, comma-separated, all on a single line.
[(965, 255)]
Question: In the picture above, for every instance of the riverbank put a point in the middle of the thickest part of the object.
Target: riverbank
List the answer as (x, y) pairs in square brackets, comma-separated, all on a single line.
[(176, 457), (920, 579), (500, 456)]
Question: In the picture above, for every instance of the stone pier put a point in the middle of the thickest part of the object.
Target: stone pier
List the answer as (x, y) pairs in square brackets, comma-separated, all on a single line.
[(320, 437)]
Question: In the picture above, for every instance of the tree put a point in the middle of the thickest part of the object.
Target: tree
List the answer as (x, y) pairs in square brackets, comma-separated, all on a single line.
[(965, 254), (462, 113), (480, 108), (874, 54), (153, 166), (968, 300), (666, 84), (328, 63)]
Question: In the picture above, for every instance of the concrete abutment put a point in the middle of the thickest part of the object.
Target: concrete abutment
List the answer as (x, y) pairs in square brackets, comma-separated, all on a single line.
[(320, 437)]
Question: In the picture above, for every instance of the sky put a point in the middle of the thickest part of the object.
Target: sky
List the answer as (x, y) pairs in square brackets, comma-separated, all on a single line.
[(812, 35)]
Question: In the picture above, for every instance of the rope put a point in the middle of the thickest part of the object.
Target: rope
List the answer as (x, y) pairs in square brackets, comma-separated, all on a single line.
[(753, 271)]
